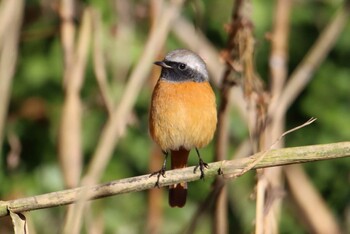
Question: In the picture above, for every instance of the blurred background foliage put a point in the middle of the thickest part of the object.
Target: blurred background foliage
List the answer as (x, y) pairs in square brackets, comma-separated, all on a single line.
[(37, 96)]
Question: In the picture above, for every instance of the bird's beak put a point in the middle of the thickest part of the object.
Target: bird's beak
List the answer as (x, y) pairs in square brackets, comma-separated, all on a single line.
[(162, 64)]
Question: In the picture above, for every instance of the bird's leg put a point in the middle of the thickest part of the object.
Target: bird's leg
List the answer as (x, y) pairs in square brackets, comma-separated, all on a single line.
[(161, 172), (201, 165)]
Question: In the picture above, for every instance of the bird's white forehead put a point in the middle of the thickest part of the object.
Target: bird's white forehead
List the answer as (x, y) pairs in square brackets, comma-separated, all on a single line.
[(189, 58)]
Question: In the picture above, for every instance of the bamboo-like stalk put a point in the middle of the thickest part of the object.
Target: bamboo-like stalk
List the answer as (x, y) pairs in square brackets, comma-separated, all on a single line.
[(70, 135), (229, 169), (270, 179), (11, 13), (67, 28), (70, 129), (99, 63), (155, 209)]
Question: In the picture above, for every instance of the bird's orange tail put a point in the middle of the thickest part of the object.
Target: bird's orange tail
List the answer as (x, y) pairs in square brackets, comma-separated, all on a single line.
[(178, 192)]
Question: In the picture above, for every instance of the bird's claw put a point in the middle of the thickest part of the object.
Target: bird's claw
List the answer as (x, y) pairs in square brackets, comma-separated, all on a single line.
[(201, 165), (159, 173)]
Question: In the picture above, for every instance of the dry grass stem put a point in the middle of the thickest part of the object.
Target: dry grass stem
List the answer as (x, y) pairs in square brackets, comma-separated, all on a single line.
[(10, 11), (269, 180), (155, 196), (66, 11), (278, 61), (99, 63), (19, 222), (70, 129)]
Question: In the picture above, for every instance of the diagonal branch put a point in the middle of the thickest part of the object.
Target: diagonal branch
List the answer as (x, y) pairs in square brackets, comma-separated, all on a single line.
[(272, 158), (316, 55)]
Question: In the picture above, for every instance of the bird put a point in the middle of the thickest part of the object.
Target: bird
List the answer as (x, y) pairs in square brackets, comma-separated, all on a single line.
[(183, 114)]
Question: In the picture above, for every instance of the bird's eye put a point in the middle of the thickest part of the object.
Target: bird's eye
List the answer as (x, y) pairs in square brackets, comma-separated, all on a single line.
[(182, 66)]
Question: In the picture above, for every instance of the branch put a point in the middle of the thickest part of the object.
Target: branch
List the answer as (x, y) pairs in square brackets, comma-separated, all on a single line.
[(272, 158)]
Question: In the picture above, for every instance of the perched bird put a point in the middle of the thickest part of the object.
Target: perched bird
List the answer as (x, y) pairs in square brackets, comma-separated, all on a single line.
[(182, 115)]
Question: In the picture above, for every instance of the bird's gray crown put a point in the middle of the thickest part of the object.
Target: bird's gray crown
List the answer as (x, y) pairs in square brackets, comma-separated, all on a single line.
[(183, 65)]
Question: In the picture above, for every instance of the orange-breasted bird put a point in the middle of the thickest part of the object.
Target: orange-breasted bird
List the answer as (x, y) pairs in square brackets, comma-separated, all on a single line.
[(183, 114)]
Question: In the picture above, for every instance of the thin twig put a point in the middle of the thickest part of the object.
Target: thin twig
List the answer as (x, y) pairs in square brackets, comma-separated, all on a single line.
[(272, 158), (99, 62), (249, 167), (310, 121)]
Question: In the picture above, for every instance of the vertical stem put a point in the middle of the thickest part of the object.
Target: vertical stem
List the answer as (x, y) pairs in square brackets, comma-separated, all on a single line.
[(269, 180), (220, 206), (10, 11), (71, 121), (155, 195), (67, 33)]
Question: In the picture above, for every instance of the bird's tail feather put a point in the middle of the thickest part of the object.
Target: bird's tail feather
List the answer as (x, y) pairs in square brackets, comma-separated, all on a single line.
[(178, 192)]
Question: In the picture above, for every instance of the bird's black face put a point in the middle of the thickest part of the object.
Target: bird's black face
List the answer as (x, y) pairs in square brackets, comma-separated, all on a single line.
[(179, 72)]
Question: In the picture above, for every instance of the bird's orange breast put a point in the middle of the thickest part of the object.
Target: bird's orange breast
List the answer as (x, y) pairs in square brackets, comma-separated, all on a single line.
[(182, 114)]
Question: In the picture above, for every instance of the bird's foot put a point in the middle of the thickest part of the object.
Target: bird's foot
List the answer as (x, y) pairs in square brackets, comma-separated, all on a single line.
[(159, 173), (201, 165)]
